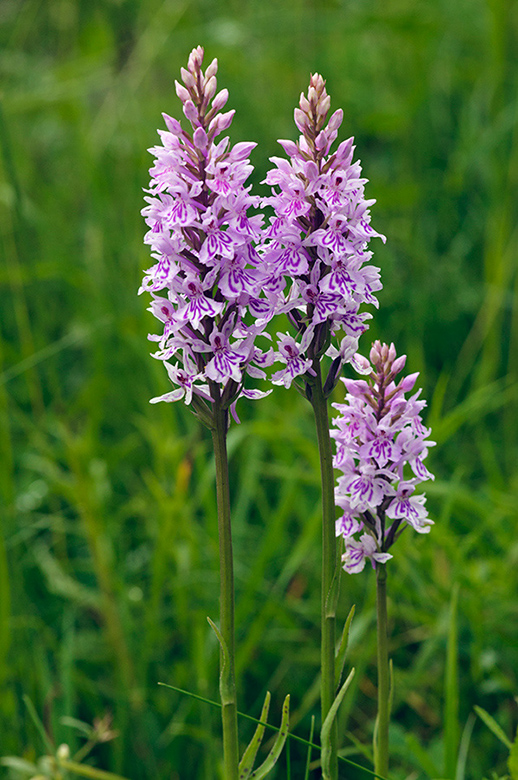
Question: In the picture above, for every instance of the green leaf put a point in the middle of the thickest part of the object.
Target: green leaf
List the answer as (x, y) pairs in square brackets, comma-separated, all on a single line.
[(19, 764), (80, 725), (342, 648), (493, 726), (332, 594), (512, 763), (462, 759), (301, 740), (225, 689), (325, 734), (39, 725), (247, 762), (83, 770), (278, 745), (421, 755)]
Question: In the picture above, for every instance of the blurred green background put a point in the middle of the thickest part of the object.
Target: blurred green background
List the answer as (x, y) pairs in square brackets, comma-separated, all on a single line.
[(108, 545)]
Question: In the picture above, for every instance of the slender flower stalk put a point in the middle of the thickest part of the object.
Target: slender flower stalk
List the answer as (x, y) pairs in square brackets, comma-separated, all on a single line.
[(316, 253), (227, 681), (206, 289), (381, 445), (330, 567), (381, 743)]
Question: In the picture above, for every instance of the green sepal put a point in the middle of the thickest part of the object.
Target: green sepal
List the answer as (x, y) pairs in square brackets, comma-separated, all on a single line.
[(226, 691), (278, 745), (325, 734), (247, 762), (342, 648)]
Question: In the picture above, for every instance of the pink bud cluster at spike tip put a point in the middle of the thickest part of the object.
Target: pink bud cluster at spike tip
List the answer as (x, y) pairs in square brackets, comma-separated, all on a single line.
[(207, 278), (318, 239), (381, 444)]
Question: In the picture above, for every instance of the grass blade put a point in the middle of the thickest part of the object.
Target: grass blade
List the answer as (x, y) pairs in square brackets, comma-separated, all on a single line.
[(451, 693), (493, 726), (39, 725), (308, 758)]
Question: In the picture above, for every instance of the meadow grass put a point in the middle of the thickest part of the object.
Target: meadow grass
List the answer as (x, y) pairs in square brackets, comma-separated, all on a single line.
[(108, 538)]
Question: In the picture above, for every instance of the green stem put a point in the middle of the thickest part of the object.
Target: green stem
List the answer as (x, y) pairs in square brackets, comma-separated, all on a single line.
[(83, 770), (227, 685), (330, 567), (381, 747)]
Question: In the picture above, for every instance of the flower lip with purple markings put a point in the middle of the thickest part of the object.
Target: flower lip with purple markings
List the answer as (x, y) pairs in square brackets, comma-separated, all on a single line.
[(381, 447), (207, 279)]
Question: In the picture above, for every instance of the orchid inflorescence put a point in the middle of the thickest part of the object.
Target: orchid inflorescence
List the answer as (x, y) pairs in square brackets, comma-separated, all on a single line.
[(316, 244), (202, 239), (381, 446)]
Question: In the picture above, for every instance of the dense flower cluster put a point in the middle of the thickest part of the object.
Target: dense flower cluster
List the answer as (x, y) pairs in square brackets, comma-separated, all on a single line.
[(316, 245), (202, 240), (378, 433)]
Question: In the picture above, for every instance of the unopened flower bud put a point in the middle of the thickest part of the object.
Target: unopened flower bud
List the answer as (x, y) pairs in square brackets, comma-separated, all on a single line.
[(312, 96), (242, 150), (187, 78), (290, 147), (408, 382), (392, 352), (335, 121), (375, 354), (200, 138), (224, 120), (398, 364), (321, 140), (190, 111), (209, 89), (181, 92), (356, 387), (212, 69), (220, 123), (220, 100), (318, 83), (304, 103), (323, 106), (195, 59), (300, 120), (172, 124)]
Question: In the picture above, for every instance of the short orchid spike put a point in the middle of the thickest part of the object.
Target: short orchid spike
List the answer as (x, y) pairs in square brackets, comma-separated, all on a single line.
[(381, 445)]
